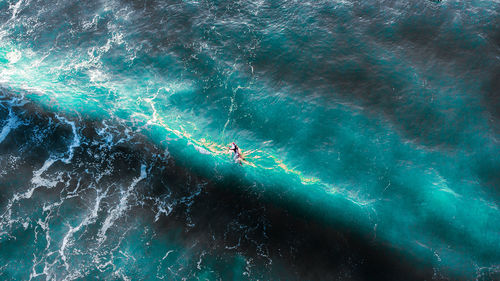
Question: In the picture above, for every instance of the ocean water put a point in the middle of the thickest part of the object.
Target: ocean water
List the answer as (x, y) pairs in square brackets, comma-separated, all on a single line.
[(370, 131)]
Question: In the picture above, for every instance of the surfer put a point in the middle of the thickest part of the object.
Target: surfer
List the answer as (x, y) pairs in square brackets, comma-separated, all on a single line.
[(238, 157)]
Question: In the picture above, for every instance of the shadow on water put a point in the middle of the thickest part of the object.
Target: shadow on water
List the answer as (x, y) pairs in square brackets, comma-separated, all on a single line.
[(223, 217), (308, 249)]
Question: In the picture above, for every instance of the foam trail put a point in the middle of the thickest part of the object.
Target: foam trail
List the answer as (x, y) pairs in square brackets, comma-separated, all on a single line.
[(75, 142), (37, 180), (11, 124), (117, 212), (15, 8), (89, 219)]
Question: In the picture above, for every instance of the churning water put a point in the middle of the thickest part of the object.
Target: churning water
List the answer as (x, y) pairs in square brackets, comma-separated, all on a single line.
[(370, 131)]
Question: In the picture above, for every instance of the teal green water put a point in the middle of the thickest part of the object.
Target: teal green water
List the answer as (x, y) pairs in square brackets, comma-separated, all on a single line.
[(378, 117)]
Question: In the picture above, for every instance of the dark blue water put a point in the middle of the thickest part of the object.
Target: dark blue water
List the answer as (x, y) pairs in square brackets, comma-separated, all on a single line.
[(370, 132)]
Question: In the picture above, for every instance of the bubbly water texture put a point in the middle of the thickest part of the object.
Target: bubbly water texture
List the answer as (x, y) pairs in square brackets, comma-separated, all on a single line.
[(373, 119)]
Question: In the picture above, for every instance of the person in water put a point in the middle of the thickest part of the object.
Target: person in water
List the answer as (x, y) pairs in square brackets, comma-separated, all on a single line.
[(238, 157)]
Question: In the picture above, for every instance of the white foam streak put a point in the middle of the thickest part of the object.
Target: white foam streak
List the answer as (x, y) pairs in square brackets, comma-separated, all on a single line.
[(11, 124), (13, 56), (37, 179), (15, 8), (163, 208), (117, 212), (76, 140), (72, 230)]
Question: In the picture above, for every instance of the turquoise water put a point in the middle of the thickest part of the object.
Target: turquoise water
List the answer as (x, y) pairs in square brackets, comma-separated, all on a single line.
[(375, 121)]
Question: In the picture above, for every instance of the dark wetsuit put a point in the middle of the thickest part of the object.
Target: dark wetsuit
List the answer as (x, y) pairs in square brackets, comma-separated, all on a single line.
[(237, 153)]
